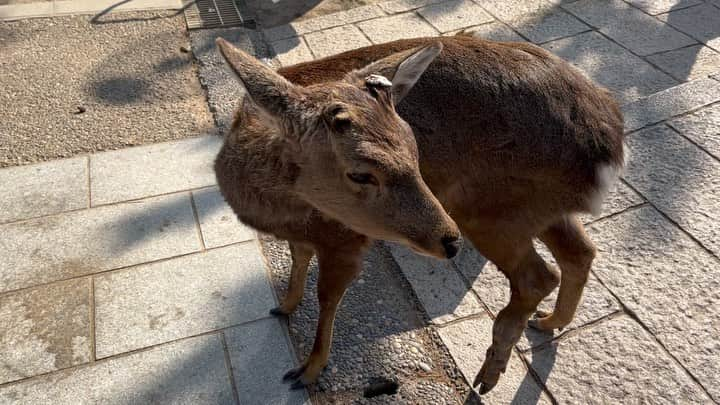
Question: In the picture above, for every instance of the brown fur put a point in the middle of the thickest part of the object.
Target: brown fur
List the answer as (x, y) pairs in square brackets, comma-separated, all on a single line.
[(508, 138)]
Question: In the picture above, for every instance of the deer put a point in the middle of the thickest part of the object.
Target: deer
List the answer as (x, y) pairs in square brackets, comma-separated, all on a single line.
[(425, 142)]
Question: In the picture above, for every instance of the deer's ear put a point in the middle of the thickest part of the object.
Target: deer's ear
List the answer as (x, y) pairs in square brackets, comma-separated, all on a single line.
[(404, 68), (266, 88)]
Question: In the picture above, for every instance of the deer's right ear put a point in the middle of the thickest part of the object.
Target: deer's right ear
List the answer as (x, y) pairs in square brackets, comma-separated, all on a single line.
[(266, 88)]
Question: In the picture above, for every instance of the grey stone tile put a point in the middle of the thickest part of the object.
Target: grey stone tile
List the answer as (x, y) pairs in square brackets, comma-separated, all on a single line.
[(43, 189), (467, 341), (44, 329), (94, 6), (291, 51), (668, 103), (655, 7), (437, 285), (701, 22), (13, 12), (688, 63), (336, 40), (154, 169), (218, 223), (703, 127), (612, 66), (190, 371), (399, 6), (493, 288), (399, 26), (260, 355), (621, 197), (455, 14), (629, 26), (614, 362), (494, 31), (537, 20), (89, 241), (679, 179), (669, 282), (185, 296), (323, 22)]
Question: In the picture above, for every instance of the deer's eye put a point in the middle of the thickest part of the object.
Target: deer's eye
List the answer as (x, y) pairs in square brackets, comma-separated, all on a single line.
[(362, 178)]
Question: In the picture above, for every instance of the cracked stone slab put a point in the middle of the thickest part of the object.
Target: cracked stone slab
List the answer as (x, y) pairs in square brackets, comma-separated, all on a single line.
[(493, 288), (190, 371), (537, 20), (690, 63), (159, 302), (437, 285), (400, 26), (89, 241), (218, 223), (702, 127), (669, 281), (260, 356), (679, 179), (494, 31), (291, 51), (656, 7), (701, 22), (629, 26), (44, 329), (612, 66), (613, 362), (455, 14), (467, 341), (43, 189), (153, 169), (399, 6), (323, 22), (336, 40), (668, 103)]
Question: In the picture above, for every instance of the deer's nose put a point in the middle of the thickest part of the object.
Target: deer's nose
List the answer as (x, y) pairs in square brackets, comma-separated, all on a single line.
[(452, 245)]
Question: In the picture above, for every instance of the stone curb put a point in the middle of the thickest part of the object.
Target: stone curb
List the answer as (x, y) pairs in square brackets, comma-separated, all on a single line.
[(12, 12)]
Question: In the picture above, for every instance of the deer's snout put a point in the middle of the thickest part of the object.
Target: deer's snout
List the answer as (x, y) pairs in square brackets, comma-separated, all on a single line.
[(452, 245)]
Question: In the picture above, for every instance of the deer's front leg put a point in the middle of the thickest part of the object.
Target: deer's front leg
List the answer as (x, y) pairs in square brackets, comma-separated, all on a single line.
[(338, 268)]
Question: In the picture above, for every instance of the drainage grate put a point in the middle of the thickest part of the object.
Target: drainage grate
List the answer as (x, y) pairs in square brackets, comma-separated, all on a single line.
[(217, 14)]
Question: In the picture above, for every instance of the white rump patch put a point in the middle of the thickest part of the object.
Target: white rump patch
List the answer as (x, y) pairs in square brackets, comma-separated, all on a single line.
[(606, 175)]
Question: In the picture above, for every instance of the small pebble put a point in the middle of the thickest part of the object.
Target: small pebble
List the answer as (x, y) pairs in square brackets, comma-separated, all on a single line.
[(424, 366), (361, 281), (80, 109), (414, 350), (184, 49)]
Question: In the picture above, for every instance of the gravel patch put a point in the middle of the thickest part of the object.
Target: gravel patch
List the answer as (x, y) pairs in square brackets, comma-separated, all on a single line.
[(72, 85)]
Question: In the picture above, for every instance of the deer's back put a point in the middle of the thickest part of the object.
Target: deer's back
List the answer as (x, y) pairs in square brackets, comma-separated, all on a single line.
[(498, 125)]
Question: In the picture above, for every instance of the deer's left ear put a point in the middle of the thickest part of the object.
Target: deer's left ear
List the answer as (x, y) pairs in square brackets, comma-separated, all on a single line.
[(404, 68)]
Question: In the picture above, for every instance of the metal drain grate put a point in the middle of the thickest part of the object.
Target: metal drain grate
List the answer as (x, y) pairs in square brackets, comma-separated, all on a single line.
[(217, 14)]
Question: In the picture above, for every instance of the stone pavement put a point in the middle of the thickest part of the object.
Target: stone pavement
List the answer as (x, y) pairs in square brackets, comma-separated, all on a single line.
[(127, 273)]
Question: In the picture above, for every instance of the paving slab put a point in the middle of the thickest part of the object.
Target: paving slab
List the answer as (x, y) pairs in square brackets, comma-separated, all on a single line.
[(494, 31), (613, 362), (89, 241), (536, 20), (336, 40), (454, 15), (400, 6), (655, 7), (701, 22), (13, 12), (668, 281), (323, 22), (630, 27), (689, 63), (159, 302), (620, 198), (668, 103), (150, 170), (612, 66), (94, 6), (133, 85), (44, 189), (291, 51), (191, 371), (260, 356), (702, 127), (468, 340), (437, 285), (218, 223), (44, 329), (400, 26), (679, 179)]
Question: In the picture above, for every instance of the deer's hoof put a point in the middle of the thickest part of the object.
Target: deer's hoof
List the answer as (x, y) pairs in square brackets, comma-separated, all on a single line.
[(277, 312)]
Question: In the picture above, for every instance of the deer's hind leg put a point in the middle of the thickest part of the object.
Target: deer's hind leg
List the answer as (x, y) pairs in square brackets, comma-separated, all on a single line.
[(301, 255), (574, 252), (531, 280)]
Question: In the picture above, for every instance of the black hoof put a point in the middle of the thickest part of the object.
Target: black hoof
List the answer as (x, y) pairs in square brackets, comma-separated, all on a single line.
[(277, 312)]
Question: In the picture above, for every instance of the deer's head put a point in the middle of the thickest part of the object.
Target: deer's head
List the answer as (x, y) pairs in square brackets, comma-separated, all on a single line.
[(357, 159)]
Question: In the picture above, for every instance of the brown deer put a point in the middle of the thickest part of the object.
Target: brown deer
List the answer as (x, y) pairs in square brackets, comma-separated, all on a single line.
[(416, 141)]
